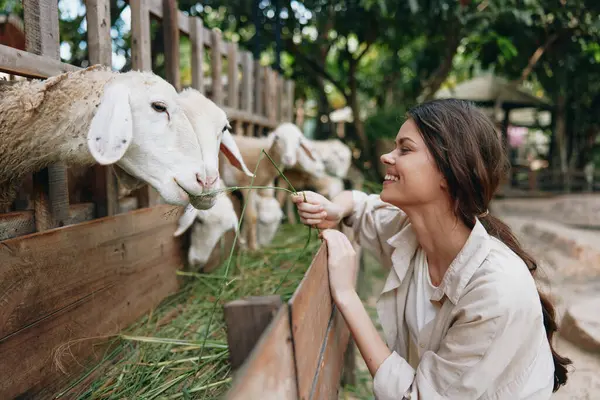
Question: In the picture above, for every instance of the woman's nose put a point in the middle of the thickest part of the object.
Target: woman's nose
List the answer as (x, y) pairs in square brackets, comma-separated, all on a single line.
[(387, 159)]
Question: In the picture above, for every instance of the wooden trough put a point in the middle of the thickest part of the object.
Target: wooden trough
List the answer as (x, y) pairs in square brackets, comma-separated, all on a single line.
[(73, 275)]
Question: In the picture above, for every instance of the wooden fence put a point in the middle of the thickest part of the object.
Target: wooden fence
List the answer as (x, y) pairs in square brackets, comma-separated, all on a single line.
[(74, 273), (300, 354), (555, 181)]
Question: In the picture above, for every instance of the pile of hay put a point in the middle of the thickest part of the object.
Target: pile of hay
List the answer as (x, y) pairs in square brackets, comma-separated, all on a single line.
[(165, 354)]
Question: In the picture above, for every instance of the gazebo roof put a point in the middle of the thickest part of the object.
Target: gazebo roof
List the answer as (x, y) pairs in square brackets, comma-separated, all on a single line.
[(487, 88)]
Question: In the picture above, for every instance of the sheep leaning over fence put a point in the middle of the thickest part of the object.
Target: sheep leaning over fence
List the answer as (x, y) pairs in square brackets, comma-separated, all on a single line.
[(96, 115), (282, 145), (208, 227)]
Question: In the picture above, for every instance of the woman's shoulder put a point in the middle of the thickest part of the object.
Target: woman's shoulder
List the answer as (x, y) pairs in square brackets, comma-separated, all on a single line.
[(504, 278)]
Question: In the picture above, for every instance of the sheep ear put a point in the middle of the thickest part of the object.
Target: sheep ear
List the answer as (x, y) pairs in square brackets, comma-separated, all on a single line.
[(186, 220), (232, 152), (306, 146), (111, 129)]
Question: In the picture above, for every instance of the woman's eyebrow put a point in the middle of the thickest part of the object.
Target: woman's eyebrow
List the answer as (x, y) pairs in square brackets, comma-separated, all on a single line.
[(404, 139)]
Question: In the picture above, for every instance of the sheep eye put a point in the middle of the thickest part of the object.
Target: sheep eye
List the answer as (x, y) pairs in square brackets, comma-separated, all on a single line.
[(226, 127), (159, 106)]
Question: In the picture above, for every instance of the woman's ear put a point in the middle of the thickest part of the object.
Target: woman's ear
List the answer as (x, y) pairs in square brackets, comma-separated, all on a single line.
[(444, 184)]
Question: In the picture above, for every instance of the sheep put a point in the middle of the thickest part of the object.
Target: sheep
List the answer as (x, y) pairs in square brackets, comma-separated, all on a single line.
[(269, 216), (208, 227), (282, 145), (336, 155), (132, 121)]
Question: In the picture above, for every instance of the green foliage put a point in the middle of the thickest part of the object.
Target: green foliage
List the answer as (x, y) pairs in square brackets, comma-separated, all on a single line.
[(384, 124)]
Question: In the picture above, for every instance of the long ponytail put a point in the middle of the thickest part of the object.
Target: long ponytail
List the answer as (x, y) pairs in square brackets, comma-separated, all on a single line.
[(501, 231)]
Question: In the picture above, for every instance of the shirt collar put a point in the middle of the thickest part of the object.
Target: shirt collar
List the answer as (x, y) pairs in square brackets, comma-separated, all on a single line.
[(460, 271)]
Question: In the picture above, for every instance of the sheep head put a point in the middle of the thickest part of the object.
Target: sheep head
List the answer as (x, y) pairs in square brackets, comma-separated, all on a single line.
[(269, 217), (208, 226), (288, 141), (337, 157), (212, 132), (140, 127)]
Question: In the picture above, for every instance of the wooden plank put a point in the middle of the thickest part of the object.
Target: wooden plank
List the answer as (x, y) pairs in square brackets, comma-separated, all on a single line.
[(290, 87), (140, 35), (247, 82), (50, 184), (310, 309), (171, 38), (248, 117), (80, 282), (259, 88), (246, 320), (268, 374), (215, 67), (30, 65), (327, 378), (106, 187), (20, 223), (197, 39), (270, 95), (233, 95)]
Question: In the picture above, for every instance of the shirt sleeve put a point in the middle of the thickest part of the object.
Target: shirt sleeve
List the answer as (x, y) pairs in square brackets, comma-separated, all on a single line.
[(492, 330), (373, 222)]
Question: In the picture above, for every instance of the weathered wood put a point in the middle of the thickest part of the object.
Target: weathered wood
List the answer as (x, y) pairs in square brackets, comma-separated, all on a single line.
[(216, 66), (86, 281), (98, 31), (310, 309), (247, 82), (20, 223), (140, 35), (106, 187), (268, 374), (246, 320), (290, 87), (248, 117), (197, 40), (30, 65), (50, 184), (233, 87), (171, 38), (327, 378), (270, 95), (259, 89)]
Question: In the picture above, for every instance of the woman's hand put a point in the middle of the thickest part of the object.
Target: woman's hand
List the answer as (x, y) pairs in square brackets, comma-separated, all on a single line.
[(342, 265), (317, 210)]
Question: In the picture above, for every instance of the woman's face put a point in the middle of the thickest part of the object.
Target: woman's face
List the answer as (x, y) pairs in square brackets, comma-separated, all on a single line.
[(412, 177)]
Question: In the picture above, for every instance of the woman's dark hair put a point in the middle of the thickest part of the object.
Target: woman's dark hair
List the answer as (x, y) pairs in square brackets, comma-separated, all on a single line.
[(469, 151)]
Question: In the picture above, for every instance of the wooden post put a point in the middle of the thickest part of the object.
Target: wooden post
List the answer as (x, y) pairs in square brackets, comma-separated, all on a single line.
[(197, 39), (233, 92), (247, 86), (216, 62), (259, 88), (290, 88), (270, 106), (171, 37), (51, 193), (140, 36), (141, 61), (246, 320), (106, 188)]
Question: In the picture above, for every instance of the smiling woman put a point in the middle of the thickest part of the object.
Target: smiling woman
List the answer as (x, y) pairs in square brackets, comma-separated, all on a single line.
[(460, 311)]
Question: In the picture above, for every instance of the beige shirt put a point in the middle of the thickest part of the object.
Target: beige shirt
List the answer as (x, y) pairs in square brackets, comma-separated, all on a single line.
[(487, 340)]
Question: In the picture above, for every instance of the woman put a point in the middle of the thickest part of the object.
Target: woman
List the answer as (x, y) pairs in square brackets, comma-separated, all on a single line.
[(460, 311)]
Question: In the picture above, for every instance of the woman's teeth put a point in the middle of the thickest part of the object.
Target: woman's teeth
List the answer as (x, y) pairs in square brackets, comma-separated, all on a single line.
[(389, 177)]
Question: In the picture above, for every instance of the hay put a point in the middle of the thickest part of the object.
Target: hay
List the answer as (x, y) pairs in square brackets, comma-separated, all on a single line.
[(165, 354)]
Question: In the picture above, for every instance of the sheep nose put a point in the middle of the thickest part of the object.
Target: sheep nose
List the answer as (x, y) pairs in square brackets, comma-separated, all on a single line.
[(287, 160), (208, 183)]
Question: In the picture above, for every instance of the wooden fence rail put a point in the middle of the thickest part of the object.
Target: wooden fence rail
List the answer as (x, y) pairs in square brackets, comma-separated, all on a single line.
[(300, 355)]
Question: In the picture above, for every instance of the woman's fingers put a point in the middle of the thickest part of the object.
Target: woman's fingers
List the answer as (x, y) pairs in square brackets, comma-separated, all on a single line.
[(310, 215), (310, 208)]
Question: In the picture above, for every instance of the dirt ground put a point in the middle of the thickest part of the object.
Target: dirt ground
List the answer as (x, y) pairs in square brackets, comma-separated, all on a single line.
[(565, 273)]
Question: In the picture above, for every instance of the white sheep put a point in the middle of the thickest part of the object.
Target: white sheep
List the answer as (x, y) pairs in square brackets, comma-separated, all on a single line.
[(208, 227), (283, 146), (131, 120), (269, 216), (335, 154)]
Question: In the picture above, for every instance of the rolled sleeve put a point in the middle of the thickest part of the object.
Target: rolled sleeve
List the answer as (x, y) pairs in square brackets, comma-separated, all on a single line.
[(373, 222), (393, 378)]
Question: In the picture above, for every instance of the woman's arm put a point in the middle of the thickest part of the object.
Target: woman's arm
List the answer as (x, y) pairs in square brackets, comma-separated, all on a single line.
[(370, 344)]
